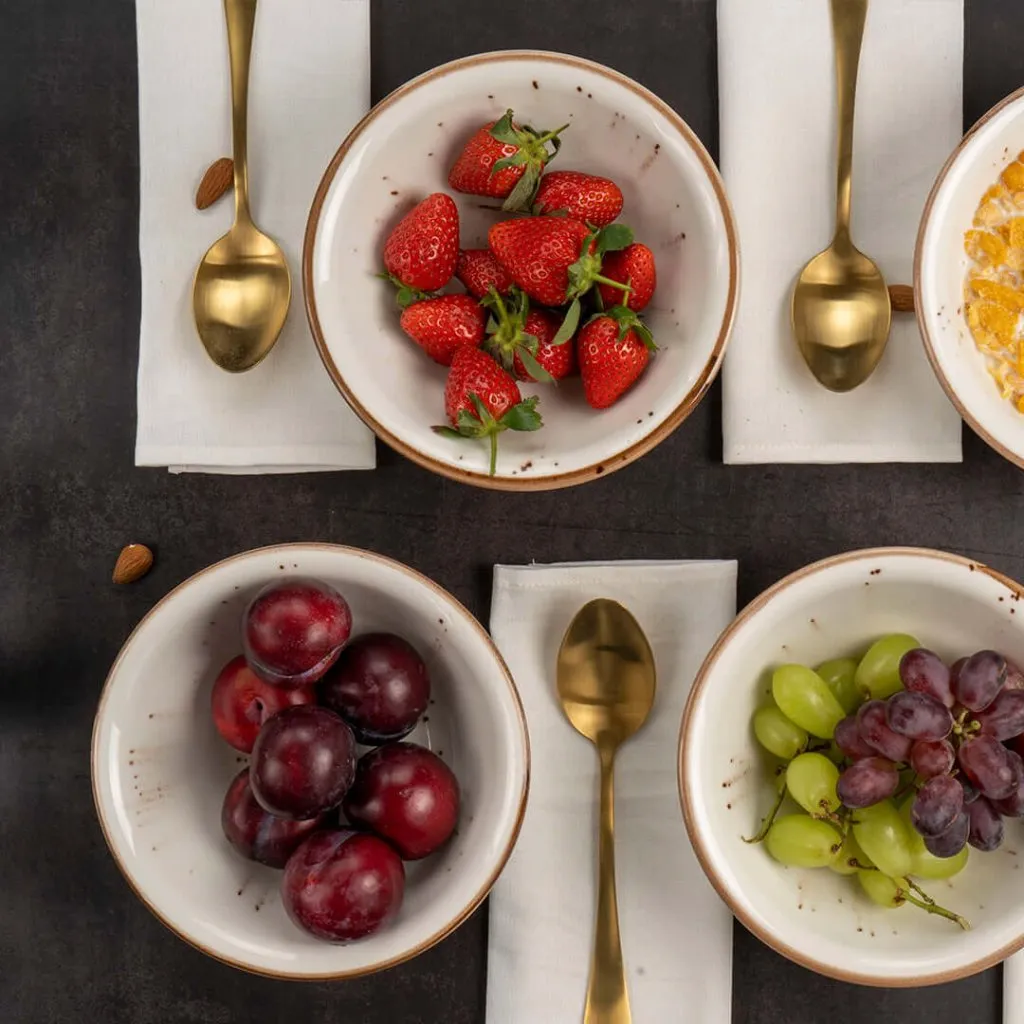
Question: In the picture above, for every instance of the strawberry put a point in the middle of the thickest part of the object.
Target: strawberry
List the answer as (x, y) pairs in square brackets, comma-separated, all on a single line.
[(421, 253), (479, 271), (444, 324), (504, 160), (613, 348), (527, 341), (585, 197), (556, 259), (481, 400), (634, 266)]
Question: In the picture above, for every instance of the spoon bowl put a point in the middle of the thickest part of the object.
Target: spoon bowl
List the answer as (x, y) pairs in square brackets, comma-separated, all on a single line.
[(841, 316)]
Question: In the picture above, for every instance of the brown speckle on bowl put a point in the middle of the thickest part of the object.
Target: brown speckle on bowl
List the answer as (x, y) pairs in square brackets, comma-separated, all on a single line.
[(579, 88), (876, 572), (534, 84), (394, 192), (440, 124), (859, 928)]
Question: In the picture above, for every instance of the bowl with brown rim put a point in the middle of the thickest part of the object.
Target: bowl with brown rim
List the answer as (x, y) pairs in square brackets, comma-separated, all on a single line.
[(402, 151)]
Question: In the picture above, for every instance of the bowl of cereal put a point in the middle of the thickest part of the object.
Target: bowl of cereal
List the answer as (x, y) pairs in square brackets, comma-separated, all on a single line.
[(969, 277)]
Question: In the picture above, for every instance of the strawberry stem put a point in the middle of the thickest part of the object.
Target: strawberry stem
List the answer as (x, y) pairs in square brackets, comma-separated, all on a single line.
[(601, 279), (494, 452)]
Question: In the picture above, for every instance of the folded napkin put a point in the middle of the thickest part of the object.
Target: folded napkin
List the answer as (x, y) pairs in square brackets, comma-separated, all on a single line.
[(309, 84), (778, 128), (676, 933), (1013, 989)]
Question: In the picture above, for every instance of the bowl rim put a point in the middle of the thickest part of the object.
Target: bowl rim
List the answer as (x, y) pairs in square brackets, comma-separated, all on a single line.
[(462, 915), (922, 321), (616, 460), (687, 801)]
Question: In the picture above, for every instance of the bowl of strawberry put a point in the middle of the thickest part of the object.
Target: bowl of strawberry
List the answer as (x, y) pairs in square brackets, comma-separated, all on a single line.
[(310, 762), (521, 270)]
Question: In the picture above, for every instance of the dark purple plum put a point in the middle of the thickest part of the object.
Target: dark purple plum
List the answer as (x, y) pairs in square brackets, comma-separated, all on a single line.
[(303, 762), (379, 685)]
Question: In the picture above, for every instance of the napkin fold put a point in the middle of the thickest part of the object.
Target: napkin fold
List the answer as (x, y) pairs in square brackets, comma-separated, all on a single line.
[(309, 84), (676, 933), (778, 129)]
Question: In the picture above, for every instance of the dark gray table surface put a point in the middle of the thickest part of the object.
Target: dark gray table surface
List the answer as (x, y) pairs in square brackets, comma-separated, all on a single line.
[(75, 944)]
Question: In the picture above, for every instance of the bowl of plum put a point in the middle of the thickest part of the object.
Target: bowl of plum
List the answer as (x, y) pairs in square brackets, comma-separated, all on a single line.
[(310, 761), (850, 766)]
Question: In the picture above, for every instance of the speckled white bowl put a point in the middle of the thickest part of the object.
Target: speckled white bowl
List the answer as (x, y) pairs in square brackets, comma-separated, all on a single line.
[(940, 267), (160, 770), (674, 201), (817, 918)]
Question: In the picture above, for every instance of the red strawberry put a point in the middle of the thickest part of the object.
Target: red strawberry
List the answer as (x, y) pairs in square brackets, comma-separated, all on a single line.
[(421, 253), (481, 400), (442, 325), (586, 197), (614, 348), (555, 259), (528, 342), (479, 271), (504, 160), (633, 265)]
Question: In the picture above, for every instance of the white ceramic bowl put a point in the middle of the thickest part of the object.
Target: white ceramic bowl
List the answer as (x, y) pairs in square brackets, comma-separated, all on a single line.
[(402, 151), (940, 267), (160, 770), (815, 917)]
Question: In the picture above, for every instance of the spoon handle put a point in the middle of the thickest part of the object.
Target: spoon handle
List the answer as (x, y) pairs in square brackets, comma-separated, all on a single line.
[(607, 998), (240, 16), (848, 17)]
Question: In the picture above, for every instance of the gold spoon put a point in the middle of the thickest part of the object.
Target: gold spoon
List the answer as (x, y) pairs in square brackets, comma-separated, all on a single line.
[(841, 311), (242, 287), (606, 681)]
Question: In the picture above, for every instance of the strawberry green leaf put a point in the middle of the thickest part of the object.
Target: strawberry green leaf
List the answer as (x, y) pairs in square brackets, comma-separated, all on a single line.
[(515, 160), (445, 431), (468, 425), (504, 131), (569, 324), (523, 416), (492, 325), (531, 341), (521, 198), (614, 237), (482, 411), (533, 368), (643, 332)]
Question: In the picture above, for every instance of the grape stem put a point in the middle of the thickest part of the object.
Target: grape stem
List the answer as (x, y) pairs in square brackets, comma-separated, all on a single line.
[(932, 907), (769, 818)]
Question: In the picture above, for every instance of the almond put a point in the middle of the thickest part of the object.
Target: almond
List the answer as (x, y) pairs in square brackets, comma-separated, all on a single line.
[(133, 563), (901, 296), (218, 179)]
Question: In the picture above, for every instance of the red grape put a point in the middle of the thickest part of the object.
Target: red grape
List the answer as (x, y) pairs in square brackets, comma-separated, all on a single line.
[(987, 764), (980, 679), (867, 782), (952, 841), (241, 702), (1012, 806), (1004, 717), (303, 762), (875, 731), (923, 671), (256, 833), (1014, 676), (342, 885), (849, 740), (937, 805), (986, 831), (970, 791), (932, 757), (918, 715), (406, 794), (379, 685), (292, 632)]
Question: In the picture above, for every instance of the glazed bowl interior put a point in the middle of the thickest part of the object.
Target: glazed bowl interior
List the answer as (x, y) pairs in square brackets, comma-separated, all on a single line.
[(160, 769), (816, 917), (941, 267), (674, 201)]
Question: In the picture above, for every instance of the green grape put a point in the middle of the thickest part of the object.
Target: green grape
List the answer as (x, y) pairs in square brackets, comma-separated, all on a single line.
[(839, 674), (883, 890), (812, 779), (878, 674), (924, 864), (804, 698), (850, 851), (803, 842), (884, 837), (777, 734)]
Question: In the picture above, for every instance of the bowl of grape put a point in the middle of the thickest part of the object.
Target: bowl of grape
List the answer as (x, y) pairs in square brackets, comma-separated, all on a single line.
[(310, 762), (850, 767)]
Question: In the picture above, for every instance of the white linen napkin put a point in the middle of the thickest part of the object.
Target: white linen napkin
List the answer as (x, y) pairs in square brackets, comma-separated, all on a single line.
[(309, 84), (676, 933), (1013, 989), (778, 128)]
